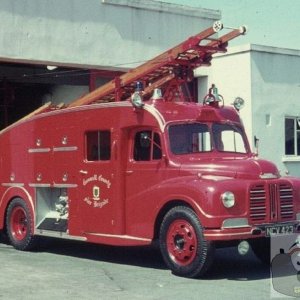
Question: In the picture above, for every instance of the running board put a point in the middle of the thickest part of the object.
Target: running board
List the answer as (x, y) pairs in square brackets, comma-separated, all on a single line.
[(59, 234), (97, 238), (117, 240)]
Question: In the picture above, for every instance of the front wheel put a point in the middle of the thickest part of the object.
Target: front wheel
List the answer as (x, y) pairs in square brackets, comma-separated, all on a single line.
[(19, 226), (182, 243)]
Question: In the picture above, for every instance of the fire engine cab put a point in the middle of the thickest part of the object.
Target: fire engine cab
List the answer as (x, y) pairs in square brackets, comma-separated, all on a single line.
[(137, 161)]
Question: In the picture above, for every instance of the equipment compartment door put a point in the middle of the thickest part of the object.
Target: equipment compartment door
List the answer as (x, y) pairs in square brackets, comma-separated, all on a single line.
[(96, 185)]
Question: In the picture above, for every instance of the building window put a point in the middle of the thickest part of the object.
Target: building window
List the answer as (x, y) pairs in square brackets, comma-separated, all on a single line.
[(98, 145), (292, 136), (147, 146)]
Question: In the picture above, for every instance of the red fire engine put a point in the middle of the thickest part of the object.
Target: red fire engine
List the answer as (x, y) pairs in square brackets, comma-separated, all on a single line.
[(135, 161)]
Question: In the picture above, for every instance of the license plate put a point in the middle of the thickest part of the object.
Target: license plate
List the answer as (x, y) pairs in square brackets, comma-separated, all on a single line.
[(279, 230)]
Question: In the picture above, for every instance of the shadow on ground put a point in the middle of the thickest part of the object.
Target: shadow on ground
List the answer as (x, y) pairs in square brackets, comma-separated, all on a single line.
[(227, 263)]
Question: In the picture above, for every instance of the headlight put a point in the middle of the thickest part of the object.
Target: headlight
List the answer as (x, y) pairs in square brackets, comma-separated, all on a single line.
[(137, 100), (228, 199), (238, 103)]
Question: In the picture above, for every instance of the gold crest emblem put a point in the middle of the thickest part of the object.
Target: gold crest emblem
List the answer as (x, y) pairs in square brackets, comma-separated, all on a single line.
[(96, 192)]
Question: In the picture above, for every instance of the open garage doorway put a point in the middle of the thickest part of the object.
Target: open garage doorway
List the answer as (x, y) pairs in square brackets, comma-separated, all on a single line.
[(25, 87)]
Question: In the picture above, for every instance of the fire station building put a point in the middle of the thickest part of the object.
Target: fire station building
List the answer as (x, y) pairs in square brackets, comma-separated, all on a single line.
[(60, 50)]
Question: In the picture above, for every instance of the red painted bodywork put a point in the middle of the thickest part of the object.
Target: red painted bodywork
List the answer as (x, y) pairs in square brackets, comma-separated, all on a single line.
[(48, 151)]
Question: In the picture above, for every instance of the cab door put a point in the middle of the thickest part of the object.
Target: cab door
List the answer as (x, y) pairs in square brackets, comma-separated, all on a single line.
[(145, 171)]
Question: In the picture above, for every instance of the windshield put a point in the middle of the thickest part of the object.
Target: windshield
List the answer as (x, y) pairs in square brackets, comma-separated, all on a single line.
[(198, 138), (189, 138)]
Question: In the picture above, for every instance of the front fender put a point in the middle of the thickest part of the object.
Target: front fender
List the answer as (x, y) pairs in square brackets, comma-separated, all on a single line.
[(204, 196)]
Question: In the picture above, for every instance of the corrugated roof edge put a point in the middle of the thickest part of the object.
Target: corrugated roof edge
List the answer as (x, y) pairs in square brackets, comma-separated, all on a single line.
[(168, 8)]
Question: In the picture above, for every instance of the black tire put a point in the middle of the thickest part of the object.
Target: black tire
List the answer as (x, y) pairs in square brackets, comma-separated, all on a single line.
[(183, 246), (19, 225), (262, 250)]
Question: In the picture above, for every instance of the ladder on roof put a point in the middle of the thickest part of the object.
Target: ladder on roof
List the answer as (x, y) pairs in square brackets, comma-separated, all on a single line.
[(175, 62)]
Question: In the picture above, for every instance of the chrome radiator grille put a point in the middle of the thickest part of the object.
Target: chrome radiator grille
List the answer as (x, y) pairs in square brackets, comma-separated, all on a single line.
[(286, 202), (258, 208), (271, 202)]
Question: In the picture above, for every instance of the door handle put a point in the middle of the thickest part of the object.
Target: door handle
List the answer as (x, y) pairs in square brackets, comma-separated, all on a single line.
[(84, 172), (129, 172)]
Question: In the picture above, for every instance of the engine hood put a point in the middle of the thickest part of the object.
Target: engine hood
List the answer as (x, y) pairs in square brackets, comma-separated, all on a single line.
[(250, 168)]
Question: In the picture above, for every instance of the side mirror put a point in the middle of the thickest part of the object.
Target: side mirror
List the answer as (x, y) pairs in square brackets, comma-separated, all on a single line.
[(256, 143)]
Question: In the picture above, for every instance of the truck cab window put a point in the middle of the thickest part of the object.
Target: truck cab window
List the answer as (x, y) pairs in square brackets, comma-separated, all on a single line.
[(147, 146), (98, 145)]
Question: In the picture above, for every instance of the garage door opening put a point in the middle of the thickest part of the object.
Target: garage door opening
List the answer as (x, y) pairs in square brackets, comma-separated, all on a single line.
[(25, 87)]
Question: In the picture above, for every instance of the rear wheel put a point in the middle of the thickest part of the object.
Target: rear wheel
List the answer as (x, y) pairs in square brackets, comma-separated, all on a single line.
[(19, 226), (183, 246)]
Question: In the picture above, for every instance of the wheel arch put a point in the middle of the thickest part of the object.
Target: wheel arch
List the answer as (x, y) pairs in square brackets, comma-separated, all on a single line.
[(163, 211), (9, 195)]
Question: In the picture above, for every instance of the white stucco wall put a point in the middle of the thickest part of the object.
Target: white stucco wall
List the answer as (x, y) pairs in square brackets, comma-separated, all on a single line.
[(231, 74), (95, 34), (275, 84)]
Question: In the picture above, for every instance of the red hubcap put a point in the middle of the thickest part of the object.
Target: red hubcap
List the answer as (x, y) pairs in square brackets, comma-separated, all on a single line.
[(182, 242), (19, 224)]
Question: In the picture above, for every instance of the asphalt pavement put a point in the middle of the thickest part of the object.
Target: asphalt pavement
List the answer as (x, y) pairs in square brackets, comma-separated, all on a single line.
[(73, 270)]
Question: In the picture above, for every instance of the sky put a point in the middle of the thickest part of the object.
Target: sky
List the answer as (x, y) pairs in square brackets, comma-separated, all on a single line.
[(270, 22)]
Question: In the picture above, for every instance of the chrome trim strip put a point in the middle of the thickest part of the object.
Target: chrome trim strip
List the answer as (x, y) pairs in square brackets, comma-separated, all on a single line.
[(39, 150), (227, 234), (12, 184), (215, 177), (235, 223), (268, 176), (65, 185), (125, 237), (65, 149), (157, 115), (39, 184), (58, 234)]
